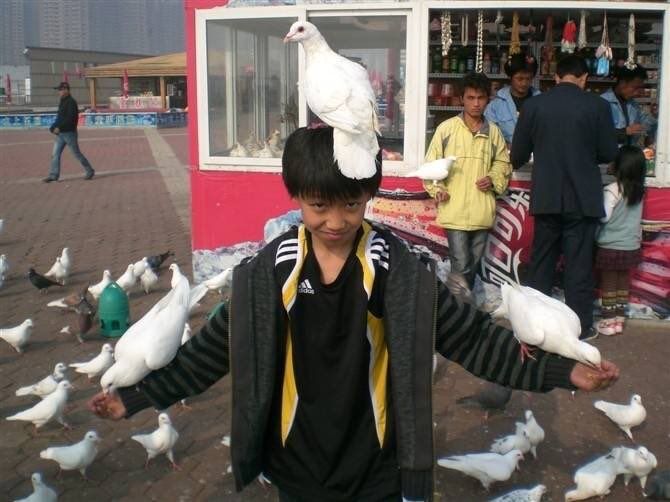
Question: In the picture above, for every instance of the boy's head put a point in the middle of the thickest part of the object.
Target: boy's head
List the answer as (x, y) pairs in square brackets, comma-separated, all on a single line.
[(475, 89), (332, 204), (629, 82), (572, 69)]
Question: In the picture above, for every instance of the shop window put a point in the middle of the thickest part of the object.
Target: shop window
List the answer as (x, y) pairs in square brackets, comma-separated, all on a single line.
[(252, 86), (379, 44)]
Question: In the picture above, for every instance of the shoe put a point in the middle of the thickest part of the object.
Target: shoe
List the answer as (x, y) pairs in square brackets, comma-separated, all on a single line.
[(49, 179), (589, 334), (607, 327), (620, 321), (89, 176)]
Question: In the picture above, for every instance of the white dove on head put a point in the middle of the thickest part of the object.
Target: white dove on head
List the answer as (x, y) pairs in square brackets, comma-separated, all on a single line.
[(301, 30)]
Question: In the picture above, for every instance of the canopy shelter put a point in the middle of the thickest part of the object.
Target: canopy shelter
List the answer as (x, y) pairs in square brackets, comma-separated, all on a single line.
[(160, 67)]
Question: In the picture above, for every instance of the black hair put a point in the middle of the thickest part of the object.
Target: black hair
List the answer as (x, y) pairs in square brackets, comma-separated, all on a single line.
[(476, 81), (629, 169), (624, 74), (520, 62), (571, 65), (309, 168)]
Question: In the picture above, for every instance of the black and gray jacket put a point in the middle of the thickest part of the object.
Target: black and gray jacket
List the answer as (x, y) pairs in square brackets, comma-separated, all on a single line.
[(420, 316), (68, 115)]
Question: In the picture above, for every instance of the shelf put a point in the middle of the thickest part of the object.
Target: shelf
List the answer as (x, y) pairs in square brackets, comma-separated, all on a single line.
[(601, 80), (646, 100), (591, 45), (461, 75), (437, 108)]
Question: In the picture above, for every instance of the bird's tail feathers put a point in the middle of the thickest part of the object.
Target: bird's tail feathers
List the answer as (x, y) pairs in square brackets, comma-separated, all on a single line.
[(25, 391), (58, 303), (355, 154), (197, 293), (48, 453), (600, 405), (449, 463)]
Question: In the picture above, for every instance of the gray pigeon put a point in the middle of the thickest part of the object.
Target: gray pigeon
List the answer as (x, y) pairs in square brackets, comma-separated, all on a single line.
[(658, 486), (492, 398)]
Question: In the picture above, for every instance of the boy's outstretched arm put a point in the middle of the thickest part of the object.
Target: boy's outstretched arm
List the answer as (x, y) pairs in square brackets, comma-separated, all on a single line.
[(199, 363), (469, 337)]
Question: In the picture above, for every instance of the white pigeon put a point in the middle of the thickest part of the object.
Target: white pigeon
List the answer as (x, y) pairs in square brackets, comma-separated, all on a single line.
[(49, 408), (41, 491), (98, 365), (45, 386), (77, 456), (148, 279), (626, 416), (523, 495), (434, 171), (486, 467), (153, 340), (338, 91), (535, 432), (140, 266), (97, 289), (637, 462), (58, 272), (127, 279), (517, 441), (18, 336), (66, 259), (2, 225), (160, 441), (4, 264), (595, 478), (544, 322), (221, 281)]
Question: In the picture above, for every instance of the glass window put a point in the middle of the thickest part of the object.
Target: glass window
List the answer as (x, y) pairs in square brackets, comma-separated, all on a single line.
[(252, 86), (379, 44)]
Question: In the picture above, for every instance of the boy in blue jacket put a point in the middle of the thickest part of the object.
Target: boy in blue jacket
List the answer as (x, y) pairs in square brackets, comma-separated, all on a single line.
[(329, 339)]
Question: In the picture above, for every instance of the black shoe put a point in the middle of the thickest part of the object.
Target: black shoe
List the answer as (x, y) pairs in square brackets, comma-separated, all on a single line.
[(49, 179), (89, 176), (589, 334)]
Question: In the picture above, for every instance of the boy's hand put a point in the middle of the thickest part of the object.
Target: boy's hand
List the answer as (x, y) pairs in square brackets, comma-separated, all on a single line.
[(484, 184), (592, 379), (442, 196), (107, 406)]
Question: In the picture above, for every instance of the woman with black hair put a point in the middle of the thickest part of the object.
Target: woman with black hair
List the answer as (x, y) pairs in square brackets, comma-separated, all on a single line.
[(504, 109)]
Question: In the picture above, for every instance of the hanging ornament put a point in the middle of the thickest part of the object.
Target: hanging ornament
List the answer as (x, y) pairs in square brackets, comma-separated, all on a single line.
[(604, 52), (479, 59), (630, 62), (465, 21), (498, 21), (515, 41), (581, 39), (446, 33), (548, 52), (569, 33)]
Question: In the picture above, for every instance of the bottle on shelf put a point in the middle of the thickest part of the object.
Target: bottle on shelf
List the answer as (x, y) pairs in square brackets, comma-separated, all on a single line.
[(486, 63)]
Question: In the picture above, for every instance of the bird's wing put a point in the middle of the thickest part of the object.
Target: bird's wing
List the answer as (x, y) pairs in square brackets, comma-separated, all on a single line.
[(68, 457), (166, 337)]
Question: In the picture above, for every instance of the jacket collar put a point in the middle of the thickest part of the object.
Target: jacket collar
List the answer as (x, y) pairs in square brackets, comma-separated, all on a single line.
[(483, 130), (506, 93)]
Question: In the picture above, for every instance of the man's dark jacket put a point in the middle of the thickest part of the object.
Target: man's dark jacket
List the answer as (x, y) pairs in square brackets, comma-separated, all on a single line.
[(68, 114), (569, 131)]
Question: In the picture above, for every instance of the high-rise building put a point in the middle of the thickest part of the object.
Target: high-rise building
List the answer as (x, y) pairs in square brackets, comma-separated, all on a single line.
[(12, 33), (63, 23)]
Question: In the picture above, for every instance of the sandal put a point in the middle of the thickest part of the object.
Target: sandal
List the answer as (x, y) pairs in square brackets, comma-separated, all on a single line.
[(607, 327)]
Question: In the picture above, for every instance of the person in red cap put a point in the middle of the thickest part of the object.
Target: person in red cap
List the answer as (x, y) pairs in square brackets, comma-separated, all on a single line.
[(65, 129)]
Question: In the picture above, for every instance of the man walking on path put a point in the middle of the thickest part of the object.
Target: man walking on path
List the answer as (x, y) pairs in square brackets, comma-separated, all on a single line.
[(569, 131), (65, 129)]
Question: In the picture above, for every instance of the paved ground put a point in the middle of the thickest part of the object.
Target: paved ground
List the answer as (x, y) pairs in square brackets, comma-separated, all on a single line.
[(138, 205)]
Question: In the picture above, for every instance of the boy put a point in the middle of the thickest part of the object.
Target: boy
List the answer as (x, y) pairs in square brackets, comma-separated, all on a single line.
[(466, 199), (321, 321)]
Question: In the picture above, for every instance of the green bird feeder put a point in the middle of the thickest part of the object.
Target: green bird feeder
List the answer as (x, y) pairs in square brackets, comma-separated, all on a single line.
[(113, 311)]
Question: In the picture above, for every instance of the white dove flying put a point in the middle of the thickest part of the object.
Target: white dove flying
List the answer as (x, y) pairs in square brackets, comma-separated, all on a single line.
[(41, 491), (18, 336), (338, 91), (535, 432), (638, 462), (152, 341), (595, 478), (77, 456), (98, 365), (542, 321), (523, 495), (160, 441), (127, 279), (45, 386), (97, 289), (148, 279), (49, 408), (434, 171), (517, 441), (140, 266), (626, 416), (58, 272), (486, 467), (4, 264)]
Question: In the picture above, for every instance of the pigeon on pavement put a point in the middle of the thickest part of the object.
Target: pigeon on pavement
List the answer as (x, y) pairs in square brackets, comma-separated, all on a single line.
[(18, 336), (97, 289), (49, 408), (140, 266), (626, 416), (338, 91), (45, 386), (492, 398), (486, 467), (535, 432), (637, 462), (58, 272), (160, 441), (517, 441), (127, 279), (98, 365), (156, 261), (77, 456), (595, 478), (41, 491), (4, 265), (148, 279), (70, 301), (41, 282), (523, 495), (658, 487)]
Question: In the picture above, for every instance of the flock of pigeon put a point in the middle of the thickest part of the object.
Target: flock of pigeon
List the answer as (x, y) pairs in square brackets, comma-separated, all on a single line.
[(149, 343)]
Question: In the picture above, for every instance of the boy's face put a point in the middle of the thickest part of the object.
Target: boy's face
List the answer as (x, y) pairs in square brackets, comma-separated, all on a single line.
[(474, 102), (333, 224)]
